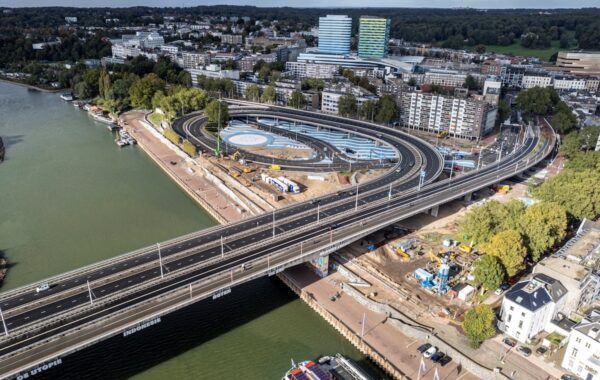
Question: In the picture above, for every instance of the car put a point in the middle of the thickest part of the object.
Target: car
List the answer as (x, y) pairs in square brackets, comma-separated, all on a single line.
[(541, 350), (567, 377), (437, 357), (333, 226), (424, 347), (429, 353), (504, 286), (340, 193), (351, 192), (498, 291), (42, 287), (445, 360), (509, 342), (525, 351), (315, 201)]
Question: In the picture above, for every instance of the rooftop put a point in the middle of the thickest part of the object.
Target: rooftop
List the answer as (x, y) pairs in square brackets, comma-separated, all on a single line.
[(536, 292), (566, 268)]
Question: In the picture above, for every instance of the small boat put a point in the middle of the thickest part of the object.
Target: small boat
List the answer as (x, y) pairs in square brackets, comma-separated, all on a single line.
[(67, 97), (121, 142), (78, 103), (101, 118), (113, 127)]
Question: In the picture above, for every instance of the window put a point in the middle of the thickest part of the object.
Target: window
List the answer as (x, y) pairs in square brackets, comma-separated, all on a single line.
[(511, 308), (520, 324), (574, 352), (588, 345), (509, 318), (578, 340), (522, 314)]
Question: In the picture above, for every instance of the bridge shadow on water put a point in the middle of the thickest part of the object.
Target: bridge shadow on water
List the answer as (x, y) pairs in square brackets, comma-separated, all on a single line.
[(122, 357)]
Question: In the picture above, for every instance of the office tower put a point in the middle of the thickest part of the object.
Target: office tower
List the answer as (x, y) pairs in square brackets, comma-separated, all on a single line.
[(373, 37), (335, 34)]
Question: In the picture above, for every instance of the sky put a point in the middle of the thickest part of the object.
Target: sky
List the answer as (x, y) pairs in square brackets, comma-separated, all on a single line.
[(311, 3)]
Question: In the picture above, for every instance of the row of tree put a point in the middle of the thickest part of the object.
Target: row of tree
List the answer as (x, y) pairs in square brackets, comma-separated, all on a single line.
[(509, 233), (384, 110), (544, 101)]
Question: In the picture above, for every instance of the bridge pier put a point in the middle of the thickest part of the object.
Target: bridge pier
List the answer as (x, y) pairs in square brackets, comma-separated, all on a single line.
[(434, 211), (468, 197), (320, 265)]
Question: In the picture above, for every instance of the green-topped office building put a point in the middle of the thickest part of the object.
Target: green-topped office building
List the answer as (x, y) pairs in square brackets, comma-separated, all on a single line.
[(373, 37)]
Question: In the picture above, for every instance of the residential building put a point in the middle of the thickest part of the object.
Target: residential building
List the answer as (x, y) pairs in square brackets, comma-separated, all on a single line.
[(569, 83), (122, 51), (71, 20), (170, 49), (212, 71), (373, 37), (492, 88), (529, 306), (194, 60), (592, 84), (531, 80), (153, 41), (301, 70), (462, 117), (582, 355), (330, 100), (579, 63), (232, 39), (513, 76), (335, 34), (246, 64)]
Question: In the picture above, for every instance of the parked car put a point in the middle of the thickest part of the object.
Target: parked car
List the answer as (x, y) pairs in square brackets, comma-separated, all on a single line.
[(525, 351), (429, 353), (437, 357), (504, 286), (424, 347), (509, 342), (498, 291), (445, 360), (541, 350)]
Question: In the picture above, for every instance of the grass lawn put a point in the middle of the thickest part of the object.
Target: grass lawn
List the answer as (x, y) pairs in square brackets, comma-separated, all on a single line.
[(517, 49), (156, 118)]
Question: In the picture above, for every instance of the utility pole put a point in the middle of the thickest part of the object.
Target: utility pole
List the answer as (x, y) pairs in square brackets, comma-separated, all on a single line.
[(90, 293), (162, 275), (362, 329), (356, 201), (222, 248), (4, 323), (318, 212)]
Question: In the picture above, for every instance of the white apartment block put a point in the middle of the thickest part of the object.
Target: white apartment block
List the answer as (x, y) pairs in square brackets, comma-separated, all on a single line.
[(122, 51), (461, 117), (592, 84), (194, 60), (213, 71), (582, 356), (562, 83), (529, 306), (331, 99), (170, 49), (532, 80), (301, 70)]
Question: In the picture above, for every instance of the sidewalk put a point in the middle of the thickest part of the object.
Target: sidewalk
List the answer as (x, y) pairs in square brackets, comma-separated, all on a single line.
[(185, 174)]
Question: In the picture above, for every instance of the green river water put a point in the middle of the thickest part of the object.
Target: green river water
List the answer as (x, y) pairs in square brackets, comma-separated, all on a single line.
[(69, 197)]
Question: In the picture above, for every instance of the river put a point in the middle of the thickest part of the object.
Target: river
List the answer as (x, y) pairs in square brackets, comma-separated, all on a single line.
[(69, 197)]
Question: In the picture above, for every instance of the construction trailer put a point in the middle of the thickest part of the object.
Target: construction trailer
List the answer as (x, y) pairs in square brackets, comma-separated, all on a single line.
[(292, 186), (282, 187)]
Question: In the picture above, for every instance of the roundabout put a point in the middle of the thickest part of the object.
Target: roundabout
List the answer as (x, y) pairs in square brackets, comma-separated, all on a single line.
[(249, 139)]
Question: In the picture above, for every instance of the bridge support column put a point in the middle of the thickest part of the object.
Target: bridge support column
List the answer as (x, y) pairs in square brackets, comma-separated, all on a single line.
[(320, 265), (468, 197), (434, 211)]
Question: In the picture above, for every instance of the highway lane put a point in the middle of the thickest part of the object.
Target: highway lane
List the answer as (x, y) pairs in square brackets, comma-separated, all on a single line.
[(261, 236), (152, 255), (233, 262)]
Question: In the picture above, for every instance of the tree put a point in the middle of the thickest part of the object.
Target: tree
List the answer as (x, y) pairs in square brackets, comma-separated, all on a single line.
[(544, 225), (297, 100), (367, 110), (504, 110), (479, 324), (412, 82), (269, 95), (575, 190), (82, 89), (142, 90), (508, 246), (386, 109), (564, 122), (212, 112), (480, 49), (471, 83), (483, 222), (347, 105), (537, 100), (104, 84), (253, 93), (489, 271)]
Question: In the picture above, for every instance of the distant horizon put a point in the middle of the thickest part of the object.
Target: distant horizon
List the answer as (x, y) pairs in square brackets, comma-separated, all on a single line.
[(316, 4)]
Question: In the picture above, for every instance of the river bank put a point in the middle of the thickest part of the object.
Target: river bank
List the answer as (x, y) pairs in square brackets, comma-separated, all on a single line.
[(32, 87)]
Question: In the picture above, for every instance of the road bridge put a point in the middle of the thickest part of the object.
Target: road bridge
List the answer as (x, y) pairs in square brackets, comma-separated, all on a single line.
[(109, 298)]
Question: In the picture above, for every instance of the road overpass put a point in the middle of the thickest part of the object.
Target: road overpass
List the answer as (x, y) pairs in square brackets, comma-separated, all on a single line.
[(110, 298)]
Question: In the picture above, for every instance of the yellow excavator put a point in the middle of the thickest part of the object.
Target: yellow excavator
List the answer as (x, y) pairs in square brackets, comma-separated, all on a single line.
[(405, 256)]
